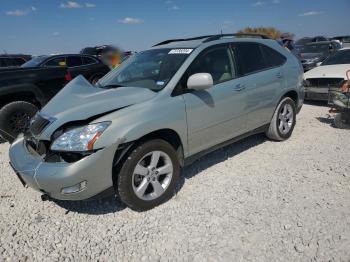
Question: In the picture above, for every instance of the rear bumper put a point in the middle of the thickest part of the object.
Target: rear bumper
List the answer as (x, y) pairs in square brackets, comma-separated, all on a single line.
[(50, 178)]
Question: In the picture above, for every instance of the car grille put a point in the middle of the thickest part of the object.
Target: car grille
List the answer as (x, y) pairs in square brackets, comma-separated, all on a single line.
[(324, 82), (38, 124)]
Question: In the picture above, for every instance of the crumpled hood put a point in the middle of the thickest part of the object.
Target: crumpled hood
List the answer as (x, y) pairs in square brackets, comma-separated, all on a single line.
[(80, 100)]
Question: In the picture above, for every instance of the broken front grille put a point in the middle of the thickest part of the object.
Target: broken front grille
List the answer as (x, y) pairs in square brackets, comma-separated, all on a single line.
[(38, 124), (324, 82)]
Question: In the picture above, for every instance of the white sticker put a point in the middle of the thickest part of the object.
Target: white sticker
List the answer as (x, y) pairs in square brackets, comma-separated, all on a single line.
[(160, 83), (181, 51)]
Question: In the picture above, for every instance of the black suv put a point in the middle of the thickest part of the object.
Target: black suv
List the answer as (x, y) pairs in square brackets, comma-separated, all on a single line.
[(89, 66), (13, 60)]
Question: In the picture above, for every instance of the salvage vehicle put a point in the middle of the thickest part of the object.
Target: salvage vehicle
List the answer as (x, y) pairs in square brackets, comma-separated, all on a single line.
[(306, 40), (162, 109), (7, 60), (23, 92), (313, 54), (89, 66), (332, 73)]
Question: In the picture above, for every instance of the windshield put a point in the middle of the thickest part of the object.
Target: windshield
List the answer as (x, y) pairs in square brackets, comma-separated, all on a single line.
[(150, 69), (317, 48), (340, 57), (36, 61)]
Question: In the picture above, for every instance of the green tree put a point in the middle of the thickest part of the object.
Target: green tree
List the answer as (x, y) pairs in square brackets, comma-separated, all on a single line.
[(271, 32)]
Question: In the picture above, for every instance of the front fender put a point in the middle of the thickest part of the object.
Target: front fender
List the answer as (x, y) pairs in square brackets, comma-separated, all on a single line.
[(134, 122)]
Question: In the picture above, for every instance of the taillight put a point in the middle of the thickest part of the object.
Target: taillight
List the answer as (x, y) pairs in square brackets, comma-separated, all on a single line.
[(68, 76)]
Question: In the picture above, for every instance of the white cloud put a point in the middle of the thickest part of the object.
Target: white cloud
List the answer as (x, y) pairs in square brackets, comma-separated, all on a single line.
[(19, 12), (90, 5), (70, 4), (311, 13), (174, 8), (276, 1), (130, 20), (256, 4), (56, 33)]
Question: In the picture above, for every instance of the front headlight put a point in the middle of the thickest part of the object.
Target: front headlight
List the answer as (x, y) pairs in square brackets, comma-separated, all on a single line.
[(79, 139)]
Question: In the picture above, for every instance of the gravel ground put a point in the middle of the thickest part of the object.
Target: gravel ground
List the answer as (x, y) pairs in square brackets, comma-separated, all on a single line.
[(255, 200)]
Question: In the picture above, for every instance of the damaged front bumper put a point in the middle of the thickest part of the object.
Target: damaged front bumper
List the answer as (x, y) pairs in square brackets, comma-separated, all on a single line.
[(50, 178)]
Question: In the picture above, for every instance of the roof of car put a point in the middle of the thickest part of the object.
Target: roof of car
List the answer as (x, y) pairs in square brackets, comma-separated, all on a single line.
[(197, 41)]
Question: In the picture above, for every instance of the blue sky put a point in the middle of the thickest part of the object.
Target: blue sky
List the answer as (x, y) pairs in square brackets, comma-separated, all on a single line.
[(52, 26)]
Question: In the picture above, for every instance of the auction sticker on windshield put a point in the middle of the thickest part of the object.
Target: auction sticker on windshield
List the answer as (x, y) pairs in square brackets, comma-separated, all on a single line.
[(181, 51)]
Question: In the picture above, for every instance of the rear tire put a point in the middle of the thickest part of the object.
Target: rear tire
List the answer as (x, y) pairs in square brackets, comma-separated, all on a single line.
[(14, 118), (283, 120), (148, 176)]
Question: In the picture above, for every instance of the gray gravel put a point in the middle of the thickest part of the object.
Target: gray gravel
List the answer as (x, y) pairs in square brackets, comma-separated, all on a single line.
[(255, 200)]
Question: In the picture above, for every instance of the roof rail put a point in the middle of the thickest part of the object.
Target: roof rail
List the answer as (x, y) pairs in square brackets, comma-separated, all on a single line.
[(183, 39), (217, 37)]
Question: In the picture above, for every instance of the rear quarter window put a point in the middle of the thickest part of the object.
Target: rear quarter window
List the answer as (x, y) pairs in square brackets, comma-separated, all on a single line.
[(2, 62), (89, 60), (272, 57)]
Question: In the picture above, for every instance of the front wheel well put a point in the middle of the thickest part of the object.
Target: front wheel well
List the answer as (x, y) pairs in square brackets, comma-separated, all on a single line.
[(124, 150)]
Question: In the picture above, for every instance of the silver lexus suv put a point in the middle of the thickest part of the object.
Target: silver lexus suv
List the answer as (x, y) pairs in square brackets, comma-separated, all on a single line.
[(131, 133)]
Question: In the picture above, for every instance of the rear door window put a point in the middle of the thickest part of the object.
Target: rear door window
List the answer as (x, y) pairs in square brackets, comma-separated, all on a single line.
[(73, 61), (17, 61), (249, 58), (272, 57), (57, 61)]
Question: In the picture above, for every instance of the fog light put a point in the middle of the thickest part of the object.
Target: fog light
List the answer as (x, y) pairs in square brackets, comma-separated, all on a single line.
[(74, 189)]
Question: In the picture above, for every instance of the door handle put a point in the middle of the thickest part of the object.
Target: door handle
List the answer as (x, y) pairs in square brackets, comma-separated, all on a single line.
[(279, 75), (240, 87)]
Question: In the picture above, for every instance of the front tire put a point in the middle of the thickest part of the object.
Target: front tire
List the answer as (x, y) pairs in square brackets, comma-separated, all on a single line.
[(149, 175), (283, 120), (14, 118)]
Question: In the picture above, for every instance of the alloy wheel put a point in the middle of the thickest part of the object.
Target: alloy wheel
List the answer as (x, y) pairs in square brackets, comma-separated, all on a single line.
[(285, 119), (152, 175)]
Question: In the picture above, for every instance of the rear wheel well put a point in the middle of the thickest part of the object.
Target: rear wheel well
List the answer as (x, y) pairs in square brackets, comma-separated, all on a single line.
[(293, 95), (23, 96)]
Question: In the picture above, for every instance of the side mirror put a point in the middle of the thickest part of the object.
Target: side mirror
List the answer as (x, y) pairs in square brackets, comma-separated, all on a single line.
[(200, 81)]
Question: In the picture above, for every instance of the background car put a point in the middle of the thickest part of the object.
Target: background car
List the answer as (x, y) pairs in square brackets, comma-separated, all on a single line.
[(344, 40), (332, 73), (13, 60), (23, 91), (89, 66), (312, 54), (307, 40)]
